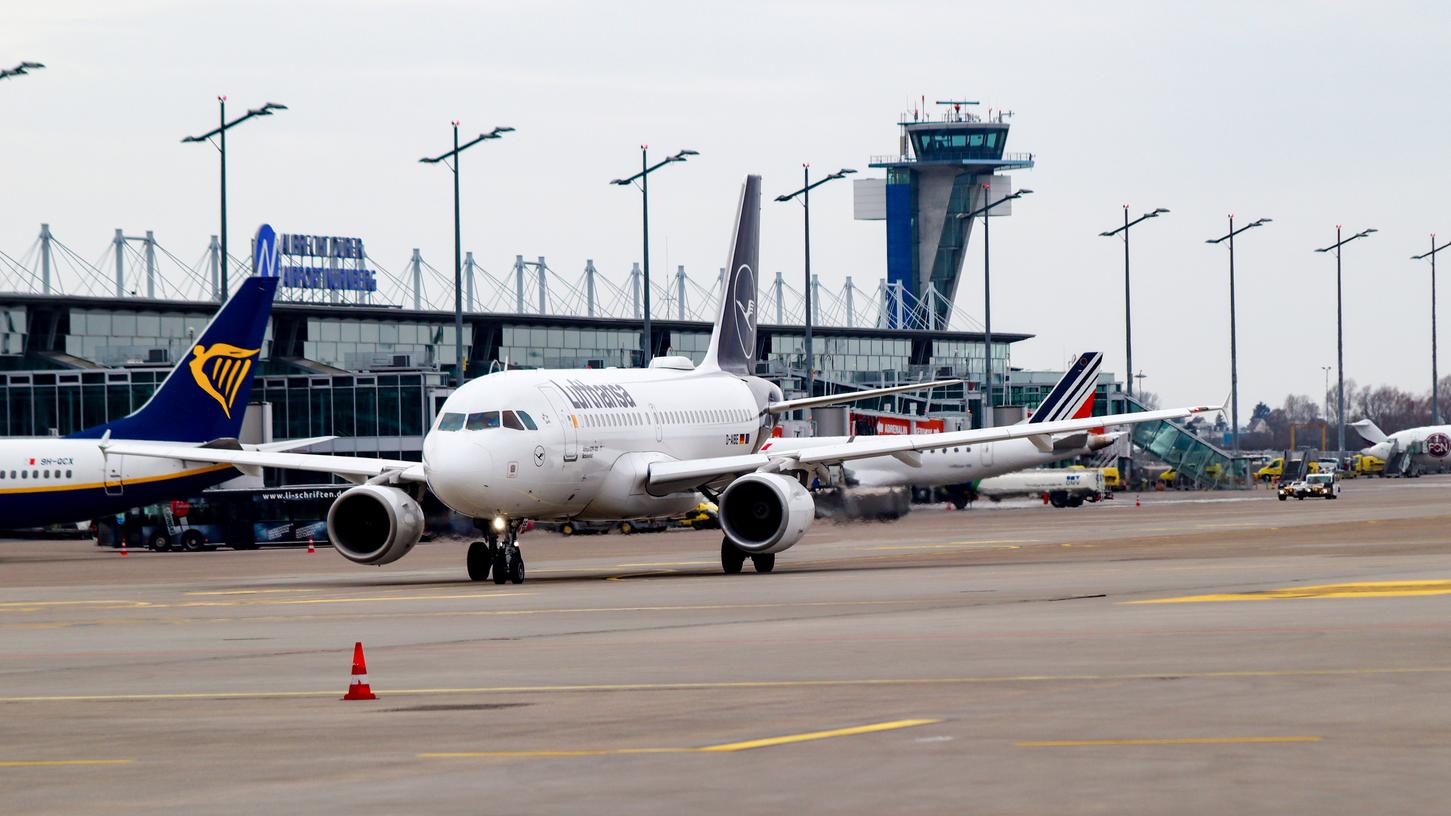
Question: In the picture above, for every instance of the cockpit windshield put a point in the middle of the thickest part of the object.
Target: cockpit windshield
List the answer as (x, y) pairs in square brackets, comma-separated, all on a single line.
[(487, 420)]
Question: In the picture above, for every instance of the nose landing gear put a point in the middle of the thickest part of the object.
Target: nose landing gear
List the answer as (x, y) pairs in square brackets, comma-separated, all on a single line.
[(503, 558)]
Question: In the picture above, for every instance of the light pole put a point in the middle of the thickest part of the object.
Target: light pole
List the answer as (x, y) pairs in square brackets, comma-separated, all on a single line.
[(805, 194), (644, 178), (1128, 323), (20, 70), (987, 299), (220, 131), (458, 264), (1325, 395), (1435, 382), (1340, 335), (1233, 333)]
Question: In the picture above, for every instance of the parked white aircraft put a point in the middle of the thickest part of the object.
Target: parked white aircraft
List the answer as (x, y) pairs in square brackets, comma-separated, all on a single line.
[(1429, 445), (607, 444), (1071, 398)]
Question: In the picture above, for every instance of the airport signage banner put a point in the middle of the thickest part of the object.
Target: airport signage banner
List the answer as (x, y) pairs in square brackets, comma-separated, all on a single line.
[(318, 262)]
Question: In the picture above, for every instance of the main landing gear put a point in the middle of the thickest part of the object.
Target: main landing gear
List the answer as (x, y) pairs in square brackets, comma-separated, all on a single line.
[(733, 559), (502, 558)]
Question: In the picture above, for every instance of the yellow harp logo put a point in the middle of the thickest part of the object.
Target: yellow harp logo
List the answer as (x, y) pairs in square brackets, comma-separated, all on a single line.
[(220, 371)]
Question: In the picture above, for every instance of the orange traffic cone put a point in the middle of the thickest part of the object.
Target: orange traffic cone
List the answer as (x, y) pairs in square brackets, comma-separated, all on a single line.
[(123, 548), (1138, 503), (359, 689), (311, 548)]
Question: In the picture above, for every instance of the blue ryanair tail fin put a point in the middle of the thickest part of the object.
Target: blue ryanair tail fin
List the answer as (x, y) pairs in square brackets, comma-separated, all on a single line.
[(205, 396)]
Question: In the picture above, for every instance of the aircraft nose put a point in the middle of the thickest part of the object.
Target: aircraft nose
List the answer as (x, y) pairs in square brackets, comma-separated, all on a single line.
[(1097, 442), (458, 473)]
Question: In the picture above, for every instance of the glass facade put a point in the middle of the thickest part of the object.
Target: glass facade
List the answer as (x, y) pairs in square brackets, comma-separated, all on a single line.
[(355, 405), (12, 329), (861, 360), (544, 347), (115, 338), (934, 144), (359, 345)]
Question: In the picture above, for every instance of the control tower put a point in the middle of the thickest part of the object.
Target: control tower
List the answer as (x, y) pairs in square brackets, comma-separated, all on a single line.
[(938, 172)]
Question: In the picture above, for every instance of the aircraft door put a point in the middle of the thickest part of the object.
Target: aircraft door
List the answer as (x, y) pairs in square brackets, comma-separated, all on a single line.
[(655, 418), (985, 453), (567, 421), (114, 474)]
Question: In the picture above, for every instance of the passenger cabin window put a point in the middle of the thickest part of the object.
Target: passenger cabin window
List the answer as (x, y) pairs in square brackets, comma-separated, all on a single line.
[(451, 422)]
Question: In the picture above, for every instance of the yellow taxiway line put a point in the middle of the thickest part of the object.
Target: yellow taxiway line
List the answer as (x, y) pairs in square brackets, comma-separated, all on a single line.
[(737, 684), (1167, 741), (36, 763), (769, 742), (1361, 589)]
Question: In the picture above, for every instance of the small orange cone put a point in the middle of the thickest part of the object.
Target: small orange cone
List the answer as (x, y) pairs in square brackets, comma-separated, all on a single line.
[(1138, 503), (123, 548), (359, 689), (311, 549)]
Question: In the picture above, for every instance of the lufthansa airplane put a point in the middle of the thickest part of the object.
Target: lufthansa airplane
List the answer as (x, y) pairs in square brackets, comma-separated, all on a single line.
[(606, 444), (1071, 398), (52, 480)]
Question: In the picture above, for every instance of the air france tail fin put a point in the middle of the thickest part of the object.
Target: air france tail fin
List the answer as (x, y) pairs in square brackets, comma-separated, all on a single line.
[(1372, 433), (205, 396), (1072, 397), (733, 340)]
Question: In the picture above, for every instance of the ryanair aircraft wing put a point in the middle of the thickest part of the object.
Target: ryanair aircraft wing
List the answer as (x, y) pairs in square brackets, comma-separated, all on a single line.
[(673, 476), (352, 468)]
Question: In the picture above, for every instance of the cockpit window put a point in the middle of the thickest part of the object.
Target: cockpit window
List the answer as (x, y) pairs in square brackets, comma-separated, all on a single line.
[(528, 421), (482, 420), (511, 420), (451, 422)]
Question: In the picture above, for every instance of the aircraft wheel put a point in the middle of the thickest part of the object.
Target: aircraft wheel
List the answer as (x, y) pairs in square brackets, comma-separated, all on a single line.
[(192, 541), (764, 563), (626, 528), (159, 542), (480, 560), (567, 528), (501, 565), (731, 557), (516, 565)]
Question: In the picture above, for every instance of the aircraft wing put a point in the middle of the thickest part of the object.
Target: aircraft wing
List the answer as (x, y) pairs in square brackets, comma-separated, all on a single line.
[(352, 468), (681, 475)]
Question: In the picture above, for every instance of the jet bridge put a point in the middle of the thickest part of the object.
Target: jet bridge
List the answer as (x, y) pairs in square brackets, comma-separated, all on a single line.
[(1198, 463)]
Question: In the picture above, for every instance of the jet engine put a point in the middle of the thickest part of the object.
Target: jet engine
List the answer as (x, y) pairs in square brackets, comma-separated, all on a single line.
[(765, 512), (374, 524)]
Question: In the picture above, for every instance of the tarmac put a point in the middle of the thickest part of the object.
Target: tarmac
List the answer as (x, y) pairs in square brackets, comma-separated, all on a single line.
[(1201, 653)]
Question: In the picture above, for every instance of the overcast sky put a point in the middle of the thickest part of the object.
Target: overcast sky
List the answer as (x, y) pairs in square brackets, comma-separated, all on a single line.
[(1312, 114)]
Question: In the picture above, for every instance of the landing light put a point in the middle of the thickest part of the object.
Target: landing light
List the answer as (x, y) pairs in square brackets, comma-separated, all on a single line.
[(499, 523)]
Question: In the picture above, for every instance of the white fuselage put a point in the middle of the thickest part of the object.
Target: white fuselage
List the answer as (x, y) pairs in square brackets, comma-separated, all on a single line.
[(49, 480), (1434, 445), (595, 433), (939, 468)]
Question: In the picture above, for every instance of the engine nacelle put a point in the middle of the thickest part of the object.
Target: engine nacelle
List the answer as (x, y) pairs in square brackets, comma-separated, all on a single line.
[(374, 524), (765, 512)]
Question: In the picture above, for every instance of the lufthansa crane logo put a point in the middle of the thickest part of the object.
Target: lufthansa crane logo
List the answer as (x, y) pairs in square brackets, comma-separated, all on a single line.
[(745, 317), (220, 371)]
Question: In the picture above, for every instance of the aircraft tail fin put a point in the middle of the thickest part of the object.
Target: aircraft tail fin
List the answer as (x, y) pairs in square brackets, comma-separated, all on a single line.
[(1072, 397), (1373, 434), (205, 396), (733, 340)]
